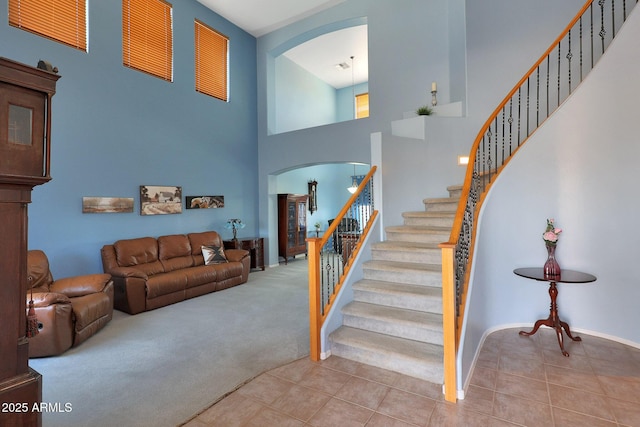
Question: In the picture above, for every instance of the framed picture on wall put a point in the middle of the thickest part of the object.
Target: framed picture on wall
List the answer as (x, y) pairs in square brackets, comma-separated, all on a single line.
[(159, 200), (107, 204), (204, 202)]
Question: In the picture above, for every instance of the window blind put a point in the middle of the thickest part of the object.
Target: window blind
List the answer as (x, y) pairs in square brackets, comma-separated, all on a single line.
[(362, 105), (147, 37), (211, 61), (61, 20)]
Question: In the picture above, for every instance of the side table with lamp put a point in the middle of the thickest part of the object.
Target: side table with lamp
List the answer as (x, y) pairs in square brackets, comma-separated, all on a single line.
[(255, 245)]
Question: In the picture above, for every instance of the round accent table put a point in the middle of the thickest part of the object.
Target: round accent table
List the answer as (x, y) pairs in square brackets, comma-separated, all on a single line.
[(553, 321)]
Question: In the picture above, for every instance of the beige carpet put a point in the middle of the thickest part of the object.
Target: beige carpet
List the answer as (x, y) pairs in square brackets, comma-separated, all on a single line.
[(162, 367)]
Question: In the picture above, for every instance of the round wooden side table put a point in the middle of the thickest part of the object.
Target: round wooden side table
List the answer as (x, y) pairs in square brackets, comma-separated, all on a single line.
[(553, 321)]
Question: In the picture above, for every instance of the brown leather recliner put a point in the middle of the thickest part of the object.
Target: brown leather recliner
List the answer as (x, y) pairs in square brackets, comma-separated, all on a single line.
[(69, 310)]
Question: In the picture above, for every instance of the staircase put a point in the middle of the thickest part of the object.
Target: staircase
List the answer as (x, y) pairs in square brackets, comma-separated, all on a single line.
[(395, 319)]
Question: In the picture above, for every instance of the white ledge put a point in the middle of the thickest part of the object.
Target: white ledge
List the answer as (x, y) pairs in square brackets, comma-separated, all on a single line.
[(415, 127)]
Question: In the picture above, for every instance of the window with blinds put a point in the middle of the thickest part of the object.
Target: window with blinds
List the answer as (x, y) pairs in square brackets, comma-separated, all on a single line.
[(211, 61), (147, 37), (62, 20), (362, 105)]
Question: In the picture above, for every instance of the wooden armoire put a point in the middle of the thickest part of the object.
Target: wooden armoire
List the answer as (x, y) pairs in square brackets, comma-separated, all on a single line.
[(25, 135), (292, 225)]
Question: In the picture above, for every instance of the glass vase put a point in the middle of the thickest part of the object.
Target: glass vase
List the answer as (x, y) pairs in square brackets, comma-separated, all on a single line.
[(551, 267)]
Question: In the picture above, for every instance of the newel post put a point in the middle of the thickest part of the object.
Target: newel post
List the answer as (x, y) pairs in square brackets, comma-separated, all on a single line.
[(449, 321), (315, 317)]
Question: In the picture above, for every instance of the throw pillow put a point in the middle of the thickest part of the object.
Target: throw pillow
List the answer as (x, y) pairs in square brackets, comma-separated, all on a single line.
[(213, 255)]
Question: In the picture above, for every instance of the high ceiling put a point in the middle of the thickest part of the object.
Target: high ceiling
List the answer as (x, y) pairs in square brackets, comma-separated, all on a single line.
[(319, 56), (259, 17)]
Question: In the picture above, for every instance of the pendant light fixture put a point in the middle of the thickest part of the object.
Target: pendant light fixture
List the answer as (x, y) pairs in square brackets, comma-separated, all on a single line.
[(353, 91), (354, 183)]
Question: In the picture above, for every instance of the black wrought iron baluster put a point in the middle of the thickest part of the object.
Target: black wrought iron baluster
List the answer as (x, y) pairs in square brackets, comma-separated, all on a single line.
[(581, 55), (569, 56), (602, 32), (538, 96), (519, 115), (613, 18), (503, 134), (489, 159), (527, 108), (548, 82), (591, 36), (510, 126), (559, 55)]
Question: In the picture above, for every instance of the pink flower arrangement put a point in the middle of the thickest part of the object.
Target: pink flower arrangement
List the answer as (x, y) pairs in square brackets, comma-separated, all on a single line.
[(552, 233)]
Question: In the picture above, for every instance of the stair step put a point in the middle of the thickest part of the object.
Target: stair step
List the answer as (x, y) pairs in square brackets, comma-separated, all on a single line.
[(412, 297), (397, 322), (455, 191), (404, 272), (445, 204), (424, 253), (407, 233), (429, 218), (413, 358)]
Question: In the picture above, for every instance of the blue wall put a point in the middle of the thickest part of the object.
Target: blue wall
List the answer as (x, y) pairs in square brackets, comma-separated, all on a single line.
[(115, 129), (302, 99), (333, 180), (345, 100)]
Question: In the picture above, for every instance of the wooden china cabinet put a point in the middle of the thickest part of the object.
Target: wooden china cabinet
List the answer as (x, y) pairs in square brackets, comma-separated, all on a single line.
[(25, 131), (292, 225)]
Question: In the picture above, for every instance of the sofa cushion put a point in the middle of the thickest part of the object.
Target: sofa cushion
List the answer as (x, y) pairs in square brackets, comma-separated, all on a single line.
[(138, 252), (213, 255), (38, 273), (88, 308), (174, 252), (166, 283), (200, 275), (197, 240)]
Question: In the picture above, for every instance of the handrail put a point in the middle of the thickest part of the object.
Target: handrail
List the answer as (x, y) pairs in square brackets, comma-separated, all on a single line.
[(505, 131), (326, 255)]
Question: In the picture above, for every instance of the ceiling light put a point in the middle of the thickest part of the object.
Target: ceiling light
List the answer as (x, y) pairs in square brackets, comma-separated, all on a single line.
[(342, 66), (354, 183)]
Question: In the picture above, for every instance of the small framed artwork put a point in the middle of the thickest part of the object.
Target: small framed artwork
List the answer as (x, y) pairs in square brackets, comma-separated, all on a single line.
[(313, 196), (160, 200), (107, 204), (204, 202)]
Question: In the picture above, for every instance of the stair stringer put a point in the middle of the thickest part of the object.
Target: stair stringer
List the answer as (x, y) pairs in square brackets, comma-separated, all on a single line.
[(335, 316)]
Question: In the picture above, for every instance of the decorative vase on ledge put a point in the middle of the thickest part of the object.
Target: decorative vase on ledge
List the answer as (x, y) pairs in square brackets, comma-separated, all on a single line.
[(551, 267)]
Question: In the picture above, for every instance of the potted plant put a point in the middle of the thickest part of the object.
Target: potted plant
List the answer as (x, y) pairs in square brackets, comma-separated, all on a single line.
[(425, 110)]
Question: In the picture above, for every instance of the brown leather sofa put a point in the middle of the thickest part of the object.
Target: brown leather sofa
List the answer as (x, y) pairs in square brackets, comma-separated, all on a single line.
[(149, 272), (69, 310)]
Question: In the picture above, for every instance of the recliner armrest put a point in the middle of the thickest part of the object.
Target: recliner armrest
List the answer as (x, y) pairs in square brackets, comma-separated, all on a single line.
[(45, 299), (125, 272), (81, 285), (236, 255)]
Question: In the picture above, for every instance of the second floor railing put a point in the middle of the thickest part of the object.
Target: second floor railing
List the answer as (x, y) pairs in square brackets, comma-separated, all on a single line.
[(331, 256), (533, 99)]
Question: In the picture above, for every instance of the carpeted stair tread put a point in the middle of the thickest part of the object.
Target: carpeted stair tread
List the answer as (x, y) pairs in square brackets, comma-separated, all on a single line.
[(399, 322), (404, 272), (430, 214), (437, 200), (414, 297), (393, 245), (402, 266), (418, 229), (413, 358), (429, 218)]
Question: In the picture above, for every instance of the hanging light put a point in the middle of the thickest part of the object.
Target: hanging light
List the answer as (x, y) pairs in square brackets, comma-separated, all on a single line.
[(353, 92), (354, 183)]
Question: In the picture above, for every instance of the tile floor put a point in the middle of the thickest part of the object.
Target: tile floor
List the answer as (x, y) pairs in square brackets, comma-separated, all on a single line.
[(517, 381)]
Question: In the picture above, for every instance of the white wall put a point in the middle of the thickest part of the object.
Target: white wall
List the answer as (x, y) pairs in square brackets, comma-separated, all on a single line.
[(579, 168)]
